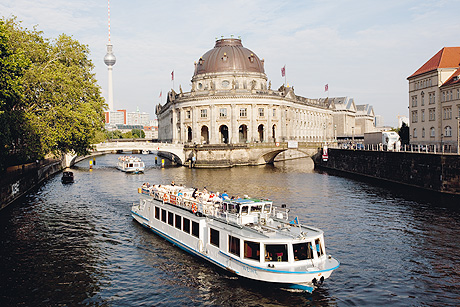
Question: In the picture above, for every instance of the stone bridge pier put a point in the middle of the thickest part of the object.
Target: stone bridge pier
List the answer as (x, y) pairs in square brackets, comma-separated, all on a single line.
[(229, 155)]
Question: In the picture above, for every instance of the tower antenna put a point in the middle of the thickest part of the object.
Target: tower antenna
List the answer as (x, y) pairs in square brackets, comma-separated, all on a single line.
[(109, 60)]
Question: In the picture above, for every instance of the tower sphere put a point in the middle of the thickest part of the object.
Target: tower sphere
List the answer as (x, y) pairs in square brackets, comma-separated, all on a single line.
[(109, 58)]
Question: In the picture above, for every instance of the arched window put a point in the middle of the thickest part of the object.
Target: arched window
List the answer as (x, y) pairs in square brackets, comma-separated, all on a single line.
[(243, 133), (260, 130), (204, 135), (414, 134), (448, 131), (189, 134), (223, 131), (432, 132)]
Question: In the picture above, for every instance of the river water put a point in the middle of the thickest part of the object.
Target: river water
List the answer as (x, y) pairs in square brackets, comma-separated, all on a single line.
[(77, 244)]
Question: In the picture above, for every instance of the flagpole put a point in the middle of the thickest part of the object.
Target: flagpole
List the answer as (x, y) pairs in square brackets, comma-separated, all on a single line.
[(285, 77)]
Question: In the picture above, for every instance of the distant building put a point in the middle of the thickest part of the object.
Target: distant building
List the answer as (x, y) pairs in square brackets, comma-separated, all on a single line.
[(434, 100), (138, 118), (378, 121)]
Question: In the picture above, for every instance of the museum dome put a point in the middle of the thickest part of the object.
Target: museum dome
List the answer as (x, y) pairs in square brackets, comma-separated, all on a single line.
[(229, 55)]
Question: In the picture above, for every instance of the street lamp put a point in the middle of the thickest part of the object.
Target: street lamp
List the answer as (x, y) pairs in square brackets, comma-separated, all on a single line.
[(442, 147), (335, 132)]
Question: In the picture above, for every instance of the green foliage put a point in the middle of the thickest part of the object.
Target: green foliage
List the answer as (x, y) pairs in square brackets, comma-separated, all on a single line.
[(128, 135), (404, 134), (138, 133), (49, 97)]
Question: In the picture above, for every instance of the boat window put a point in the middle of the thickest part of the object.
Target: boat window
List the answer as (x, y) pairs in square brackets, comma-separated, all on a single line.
[(195, 229), (267, 208), (178, 221), (257, 208), (163, 215), (234, 245), (157, 213), (276, 252), (130, 165), (171, 218), (214, 237), (186, 226), (252, 250), (319, 248), (302, 251), (244, 210)]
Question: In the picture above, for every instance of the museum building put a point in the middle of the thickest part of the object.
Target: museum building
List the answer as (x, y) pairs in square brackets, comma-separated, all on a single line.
[(231, 101)]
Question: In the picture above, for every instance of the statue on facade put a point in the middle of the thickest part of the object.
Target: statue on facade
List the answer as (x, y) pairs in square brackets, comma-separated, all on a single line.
[(253, 84), (233, 84), (269, 85), (211, 85), (180, 89)]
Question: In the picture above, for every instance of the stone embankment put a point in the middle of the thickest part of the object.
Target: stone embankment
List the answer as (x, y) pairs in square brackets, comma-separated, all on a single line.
[(435, 172)]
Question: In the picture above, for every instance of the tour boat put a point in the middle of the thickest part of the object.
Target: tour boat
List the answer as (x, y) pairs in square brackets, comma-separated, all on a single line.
[(248, 237), (67, 177), (130, 164)]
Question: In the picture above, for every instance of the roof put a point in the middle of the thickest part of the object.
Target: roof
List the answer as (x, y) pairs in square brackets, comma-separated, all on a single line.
[(229, 55), (447, 57), (454, 79)]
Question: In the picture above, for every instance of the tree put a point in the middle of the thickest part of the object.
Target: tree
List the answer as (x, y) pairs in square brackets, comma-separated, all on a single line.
[(138, 133), (404, 134), (60, 102)]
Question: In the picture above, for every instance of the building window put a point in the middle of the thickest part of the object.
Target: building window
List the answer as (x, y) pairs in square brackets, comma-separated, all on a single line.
[(204, 113), (214, 237), (223, 112), (443, 96), (423, 115), (423, 132), (414, 133), (429, 82), (243, 112), (451, 96), (432, 132), (186, 225), (447, 113), (171, 218), (414, 101), (448, 131), (261, 112), (157, 213), (234, 245), (414, 116), (274, 112), (432, 98), (252, 250), (432, 114), (188, 114), (458, 93), (195, 229), (423, 100)]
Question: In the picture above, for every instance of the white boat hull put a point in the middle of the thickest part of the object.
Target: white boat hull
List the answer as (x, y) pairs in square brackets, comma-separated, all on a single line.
[(301, 275)]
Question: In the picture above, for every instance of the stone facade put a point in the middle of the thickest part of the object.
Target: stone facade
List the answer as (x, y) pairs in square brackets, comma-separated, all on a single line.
[(434, 101), (230, 102)]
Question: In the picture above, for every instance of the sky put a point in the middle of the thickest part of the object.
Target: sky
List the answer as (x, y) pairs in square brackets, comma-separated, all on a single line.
[(361, 49)]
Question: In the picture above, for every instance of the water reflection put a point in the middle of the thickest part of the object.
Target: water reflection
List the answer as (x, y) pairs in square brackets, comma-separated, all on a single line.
[(77, 244)]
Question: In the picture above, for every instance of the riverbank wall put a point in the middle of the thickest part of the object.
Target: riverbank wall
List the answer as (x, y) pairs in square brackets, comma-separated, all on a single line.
[(19, 180), (429, 171)]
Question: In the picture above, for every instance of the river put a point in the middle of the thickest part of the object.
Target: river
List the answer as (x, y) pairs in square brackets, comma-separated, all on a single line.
[(77, 244)]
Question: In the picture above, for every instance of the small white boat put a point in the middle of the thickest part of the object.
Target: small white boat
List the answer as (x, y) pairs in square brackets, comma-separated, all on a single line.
[(145, 152), (130, 164), (248, 237)]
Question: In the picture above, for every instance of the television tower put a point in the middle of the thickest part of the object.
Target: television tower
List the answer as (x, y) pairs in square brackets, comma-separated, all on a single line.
[(110, 60)]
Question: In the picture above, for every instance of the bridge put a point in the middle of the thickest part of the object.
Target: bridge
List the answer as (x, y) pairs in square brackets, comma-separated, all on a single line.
[(208, 155), (177, 150)]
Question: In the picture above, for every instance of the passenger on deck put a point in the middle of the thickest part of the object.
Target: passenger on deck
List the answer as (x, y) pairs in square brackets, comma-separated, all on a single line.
[(194, 193), (172, 183), (224, 195)]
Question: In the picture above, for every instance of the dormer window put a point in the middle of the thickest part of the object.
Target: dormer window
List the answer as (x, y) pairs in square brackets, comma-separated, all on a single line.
[(200, 61), (251, 58), (225, 58)]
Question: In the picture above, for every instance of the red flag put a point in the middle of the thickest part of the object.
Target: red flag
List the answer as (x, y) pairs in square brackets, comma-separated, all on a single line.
[(161, 92), (283, 71), (172, 75), (326, 87)]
